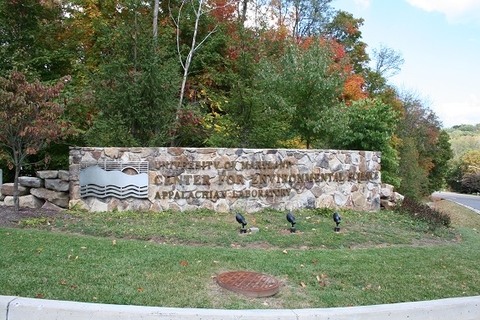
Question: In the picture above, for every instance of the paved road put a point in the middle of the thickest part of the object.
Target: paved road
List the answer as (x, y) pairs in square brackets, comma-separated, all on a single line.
[(466, 200)]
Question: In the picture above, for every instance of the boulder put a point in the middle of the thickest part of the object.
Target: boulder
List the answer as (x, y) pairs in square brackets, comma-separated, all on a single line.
[(398, 197), (64, 175), (47, 174), (386, 191), (50, 206), (389, 199), (27, 201), (30, 201), (7, 189), (386, 204), (32, 182), (57, 184), (58, 198)]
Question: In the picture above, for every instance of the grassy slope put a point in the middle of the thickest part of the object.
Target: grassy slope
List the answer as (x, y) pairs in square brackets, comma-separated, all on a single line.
[(316, 267)]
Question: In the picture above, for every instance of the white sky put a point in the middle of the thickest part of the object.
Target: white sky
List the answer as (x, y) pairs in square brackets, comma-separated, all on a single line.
[(440, 42)]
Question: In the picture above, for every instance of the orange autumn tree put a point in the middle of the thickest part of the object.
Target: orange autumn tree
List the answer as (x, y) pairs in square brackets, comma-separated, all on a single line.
[(354, 89), (29, 119)]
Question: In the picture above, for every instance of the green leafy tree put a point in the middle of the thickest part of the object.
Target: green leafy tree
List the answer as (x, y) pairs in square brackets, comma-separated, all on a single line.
[(414, 178), (442, 155), (345, 30), (303, 18), (30, 119), (244, 109), (369, 125), (464, 170), (32, 39), (423, 148), (309, 82), (471, 161), (136, 83)]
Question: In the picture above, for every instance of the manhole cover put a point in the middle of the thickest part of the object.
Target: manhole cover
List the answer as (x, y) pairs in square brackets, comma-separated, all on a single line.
[(251, 284)]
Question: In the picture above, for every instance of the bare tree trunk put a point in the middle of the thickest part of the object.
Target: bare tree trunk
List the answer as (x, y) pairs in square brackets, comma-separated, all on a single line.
[(244, 11), (199, 11), (193, 48), (18, 167), (155, 20)]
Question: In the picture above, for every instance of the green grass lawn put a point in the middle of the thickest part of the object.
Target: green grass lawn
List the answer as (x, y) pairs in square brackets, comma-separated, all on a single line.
[(171, 259)]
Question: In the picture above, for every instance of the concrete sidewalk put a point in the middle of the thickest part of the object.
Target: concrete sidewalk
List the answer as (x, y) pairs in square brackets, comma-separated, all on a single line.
[(16, 308)]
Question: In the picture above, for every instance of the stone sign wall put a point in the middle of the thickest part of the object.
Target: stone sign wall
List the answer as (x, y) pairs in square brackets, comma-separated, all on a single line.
[(246, 180)]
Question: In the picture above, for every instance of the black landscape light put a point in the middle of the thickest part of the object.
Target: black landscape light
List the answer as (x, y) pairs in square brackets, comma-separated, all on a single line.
[(291, 219), (337, 219), (242, 221)]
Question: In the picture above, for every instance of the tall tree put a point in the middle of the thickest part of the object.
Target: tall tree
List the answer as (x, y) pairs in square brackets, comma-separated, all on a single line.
[(30, 119), (369, 125), (309, 17), (345, 30), (423, 147), (442, 154), (136, 83), (197, 9), (388, 62), (310, 82), (31, 39)]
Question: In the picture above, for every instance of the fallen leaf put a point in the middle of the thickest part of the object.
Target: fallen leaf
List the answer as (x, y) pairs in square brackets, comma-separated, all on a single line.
[(285, 251), (184, 263), (303, 284), (83, 248), (114, 242), (139, 289), (69, 256), (63, 282), (73, 286), (39, 295)]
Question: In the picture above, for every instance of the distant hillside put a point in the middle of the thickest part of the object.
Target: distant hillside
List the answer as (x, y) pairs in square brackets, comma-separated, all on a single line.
[(463, 138)]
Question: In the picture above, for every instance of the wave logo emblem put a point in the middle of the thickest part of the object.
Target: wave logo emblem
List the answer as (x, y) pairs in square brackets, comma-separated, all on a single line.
[(116, 179)]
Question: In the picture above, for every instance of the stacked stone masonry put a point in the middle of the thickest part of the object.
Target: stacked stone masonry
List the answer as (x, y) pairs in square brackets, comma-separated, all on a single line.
[(246, 180), (49, 189)]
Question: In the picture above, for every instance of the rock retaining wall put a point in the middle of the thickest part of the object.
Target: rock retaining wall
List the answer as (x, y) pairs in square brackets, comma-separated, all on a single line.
[(247, 180), (49, 189)]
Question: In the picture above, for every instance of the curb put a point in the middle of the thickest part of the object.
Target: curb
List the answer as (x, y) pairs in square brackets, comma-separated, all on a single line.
[(16, 308)]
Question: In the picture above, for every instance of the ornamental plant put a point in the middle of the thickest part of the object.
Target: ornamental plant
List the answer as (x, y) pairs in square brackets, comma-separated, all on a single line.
[(30, 119)]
